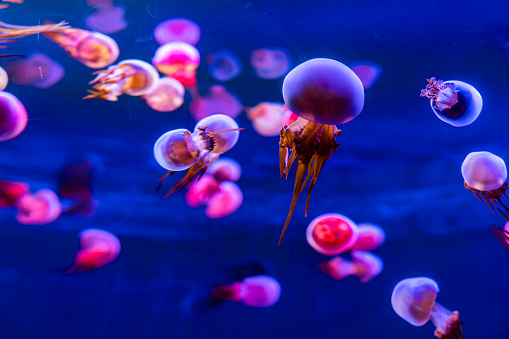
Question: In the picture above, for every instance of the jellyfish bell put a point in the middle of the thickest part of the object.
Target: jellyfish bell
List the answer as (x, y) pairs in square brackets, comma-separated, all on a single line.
[(223, 65), (368, 265), (4, 79), (171, 150), (217, 100), (371, 237), (166, 96), (40, 208), (225, 201), (223, 129), (107, 19), (484, 171), (13, 116), (225, 169), (37, 70), (253, 291), (200, 191), (178, 29), (368, 72), (331, 234), (267, 118), (270, 63), (178, 60), (11, 192)]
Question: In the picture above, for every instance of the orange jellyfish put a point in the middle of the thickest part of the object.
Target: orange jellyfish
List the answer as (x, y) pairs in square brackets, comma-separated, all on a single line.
[(166, 96), (267, 118), (323, 93), (178, 60)]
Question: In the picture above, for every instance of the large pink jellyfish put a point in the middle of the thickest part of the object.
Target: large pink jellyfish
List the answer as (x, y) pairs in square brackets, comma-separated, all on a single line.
[(13, 116), (226, 200), (368, 72), (200, 191), (270, 63), (107, 19), (225, 169), (267, 118), (218, 101), (371, 237), (223, 65), (413, 299), (323, 93), (37, 70), (364, 265), (97, 248), (11, 192), (178, 60), (254, 291), (40, 208), (166, 96), (331, 234), (180, 29), (455, 102)]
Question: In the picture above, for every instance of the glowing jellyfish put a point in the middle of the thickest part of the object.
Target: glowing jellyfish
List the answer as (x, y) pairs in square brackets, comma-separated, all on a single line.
[(267, 118), (200, 191), (270, 63), (331, 234), (40, 208), (288, 117), (364, 265), (323, 93), (225, 201), (455, 102), (368, 72), (2, 6), (254, 291), (37, 70), (225, 169), (107, 19), (97, 248), (4, 79), (13, 116), (180, 149), (223, 65), (217, 101), (166, 96), (132, 77), (371, 237), (180, 29), (178, 60), (413, 299), (11, 192)]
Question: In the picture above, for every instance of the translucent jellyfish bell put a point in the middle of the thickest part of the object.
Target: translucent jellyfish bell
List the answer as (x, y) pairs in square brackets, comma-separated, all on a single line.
[(254, 291), (40, 208), (178, 29), (364, 265), (484, 171), (37, 70), (172, 152), (225, 169), (226, 200), (267, 118), (107, 19), (270, 63), (371, 237), (223, 65), (166, 96), (178, 60), (331, 234), (13, 116), (4, 79), (224, 129)]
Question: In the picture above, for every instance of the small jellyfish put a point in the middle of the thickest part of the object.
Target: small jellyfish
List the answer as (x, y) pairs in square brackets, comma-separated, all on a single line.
[(217, 101), (178, 60), (37, 70), (166, 96), (200, 191), (364, 265), (132, 77), (40, 208), (225, 201), (267, 118), (11, 192), (4, 79), (455, 102), (180, 29), (223, 65), (270, 63), (254, 291), (107, 19), (2, 6), (371, 237), (332, 234), (13, 116), (413, 299), (368, 72), (97, 248), (323, 92), (225, 169)]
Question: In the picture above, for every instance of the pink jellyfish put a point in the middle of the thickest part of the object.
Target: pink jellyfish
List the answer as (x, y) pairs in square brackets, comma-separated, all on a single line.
[(132, 77), (96, 3), (322, 92), (182, 30), (11, 192), (270, 63), (226, 200), (97, 248), (166, 96), (332, 234), (455, 102), (371, 237), (178, 60), (13, 116), (218, 101), (413, 299), (4, 79), (254, 291), (223, 65), (364, 265), (200, 191), (107, 19), (40, 208), (368, 72), (267, 118), (38, 70), (225, 169), (288, 117)]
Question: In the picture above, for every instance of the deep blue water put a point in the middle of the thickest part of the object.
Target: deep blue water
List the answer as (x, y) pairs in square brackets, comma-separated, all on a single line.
[(398, 166)]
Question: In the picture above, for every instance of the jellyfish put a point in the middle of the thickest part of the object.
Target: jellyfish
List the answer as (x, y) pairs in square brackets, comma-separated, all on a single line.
[(270, 63), (40, 208), (323, 92), (132, 77), (2, 6), (107, 19), (166, 96), (179, 149), (37, 70), (223, 65), (368, 72), (364, 265), (178, 60), (288, 117), (11, 192), (217, 101), (332, 234), (224, 201), (454, 102), (225, 169), (200, 191), (13, 116), (254, 291), (4, 79), (370, 237), (179, 29), (97, 249), (267, 118), (413, 299)]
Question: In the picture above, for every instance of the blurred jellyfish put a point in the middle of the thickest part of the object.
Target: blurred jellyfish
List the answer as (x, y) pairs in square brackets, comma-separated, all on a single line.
[(218, 101), (370, 237), (182, 30), (368, 72), (254, 291), (37, 70), (178, 60), (166, 96), (364, 265), (96, 3), (225, 169), (2, 6), (11, 192), (413, 299), (332, 234), (200, 191), (4, 79), (288, 117), (13, 116), (267, 118), (270, 63), (226, 200), (97, 248), (40, 208), (223, 65), (107, 19), (132, 77)]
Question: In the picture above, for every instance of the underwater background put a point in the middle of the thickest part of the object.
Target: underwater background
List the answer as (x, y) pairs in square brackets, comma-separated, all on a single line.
[(397, 166)]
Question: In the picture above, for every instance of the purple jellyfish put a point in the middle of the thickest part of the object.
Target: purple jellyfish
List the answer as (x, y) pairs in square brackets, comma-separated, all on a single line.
[(223, 65), (270, 63), (13, 116), (182, 30)]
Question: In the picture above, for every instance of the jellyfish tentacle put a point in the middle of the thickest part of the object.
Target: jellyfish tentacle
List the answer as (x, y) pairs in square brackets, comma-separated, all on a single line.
[(501, 234)]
